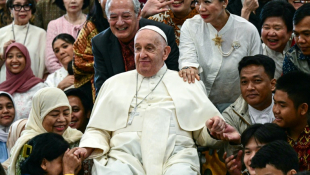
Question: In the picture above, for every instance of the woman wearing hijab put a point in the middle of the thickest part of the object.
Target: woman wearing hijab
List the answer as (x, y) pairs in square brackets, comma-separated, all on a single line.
[(50, 112), (20, 80), (14, 133), (7, 115)]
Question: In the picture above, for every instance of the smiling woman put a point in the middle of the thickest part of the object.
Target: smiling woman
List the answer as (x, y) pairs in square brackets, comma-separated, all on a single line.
[(20, 83), (71, 23), (63, 49), (7, 115), (22, 31), (277, 28), (50, 112)]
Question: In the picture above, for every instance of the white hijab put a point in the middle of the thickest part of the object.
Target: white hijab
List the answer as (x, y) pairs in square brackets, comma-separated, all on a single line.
[(4, 130), (43, 101)]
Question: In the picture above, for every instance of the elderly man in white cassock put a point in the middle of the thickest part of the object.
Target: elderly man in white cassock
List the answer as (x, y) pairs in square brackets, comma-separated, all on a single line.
[(145, 121)]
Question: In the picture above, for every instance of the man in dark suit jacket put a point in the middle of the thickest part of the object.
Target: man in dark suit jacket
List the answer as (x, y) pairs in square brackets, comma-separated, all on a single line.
[(124, 19)]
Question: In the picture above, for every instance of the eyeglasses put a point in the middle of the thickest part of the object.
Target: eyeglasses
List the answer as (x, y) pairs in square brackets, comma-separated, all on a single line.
[(18, 7), (301, 1)]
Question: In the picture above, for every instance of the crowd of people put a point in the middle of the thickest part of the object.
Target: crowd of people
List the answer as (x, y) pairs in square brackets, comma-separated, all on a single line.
[(129, 87)]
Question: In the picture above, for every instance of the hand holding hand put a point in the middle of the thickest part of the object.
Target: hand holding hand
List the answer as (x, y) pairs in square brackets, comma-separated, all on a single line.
[(83, 152), (189, 74), (66, 82), (153, 7), (216, 125), (233, 165), (71, 163)]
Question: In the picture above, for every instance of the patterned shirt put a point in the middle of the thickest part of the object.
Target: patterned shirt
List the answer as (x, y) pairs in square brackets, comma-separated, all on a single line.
[(302, 147), (295, 60), (128, 53), (5, 17), (169, 19)]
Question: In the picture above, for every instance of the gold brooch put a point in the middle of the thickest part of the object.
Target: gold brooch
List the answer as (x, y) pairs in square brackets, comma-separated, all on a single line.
[(218, 40)]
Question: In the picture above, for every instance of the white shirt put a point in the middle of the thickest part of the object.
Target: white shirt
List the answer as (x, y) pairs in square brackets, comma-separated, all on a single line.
[(23, 101), (264, 116), (219, 74), (56, 77), (35, 43), (277, 57)]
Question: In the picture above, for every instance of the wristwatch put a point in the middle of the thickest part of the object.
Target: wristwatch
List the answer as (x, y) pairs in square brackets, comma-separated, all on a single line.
[(186, 67)]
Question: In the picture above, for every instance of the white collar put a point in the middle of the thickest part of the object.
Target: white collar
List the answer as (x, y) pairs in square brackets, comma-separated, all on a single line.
[(264, 116)]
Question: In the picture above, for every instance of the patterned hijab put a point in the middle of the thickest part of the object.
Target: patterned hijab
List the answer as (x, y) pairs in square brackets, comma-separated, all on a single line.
[(22, 81)]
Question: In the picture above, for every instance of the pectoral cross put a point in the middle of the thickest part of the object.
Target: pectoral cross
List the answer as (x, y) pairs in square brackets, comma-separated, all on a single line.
[(132, 115), (218, 40)]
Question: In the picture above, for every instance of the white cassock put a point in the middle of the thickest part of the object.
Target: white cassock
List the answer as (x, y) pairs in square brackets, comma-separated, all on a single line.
[(160, 138)]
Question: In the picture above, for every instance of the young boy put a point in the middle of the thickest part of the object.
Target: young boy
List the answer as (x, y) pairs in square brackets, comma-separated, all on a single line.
[(275, 158), (291, 111)]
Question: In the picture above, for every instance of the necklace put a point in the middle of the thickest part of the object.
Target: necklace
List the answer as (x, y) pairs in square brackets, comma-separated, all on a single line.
[(26, 32), (218, 42), (135, 113)]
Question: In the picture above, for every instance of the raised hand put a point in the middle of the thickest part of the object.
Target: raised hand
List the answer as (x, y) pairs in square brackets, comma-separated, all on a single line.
[(153, 7), (71, 163), (233, 165)]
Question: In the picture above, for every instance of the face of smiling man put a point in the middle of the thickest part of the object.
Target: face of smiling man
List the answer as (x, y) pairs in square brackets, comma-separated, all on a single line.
[(124, 22)]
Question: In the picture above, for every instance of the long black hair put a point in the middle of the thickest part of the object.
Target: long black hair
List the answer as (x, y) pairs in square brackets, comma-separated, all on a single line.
[(96, 17), (47, 146)]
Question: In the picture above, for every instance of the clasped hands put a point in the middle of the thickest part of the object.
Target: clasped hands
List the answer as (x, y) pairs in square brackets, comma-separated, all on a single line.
[(220, 130)]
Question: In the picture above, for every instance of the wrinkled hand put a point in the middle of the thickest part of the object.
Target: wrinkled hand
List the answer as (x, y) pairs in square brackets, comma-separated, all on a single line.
[(233, 165), (250, 5), (189, 74), (6, 45), (221, 130), (153, 7), (216, 125), (83, 152), (66, 82), (71, 163)]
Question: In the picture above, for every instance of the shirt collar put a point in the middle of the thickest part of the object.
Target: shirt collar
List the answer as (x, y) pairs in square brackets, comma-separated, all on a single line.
[(160, 73), (300, 55)]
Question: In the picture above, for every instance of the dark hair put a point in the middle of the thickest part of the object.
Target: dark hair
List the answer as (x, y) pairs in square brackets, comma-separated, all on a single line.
[(297, 86), (278, 8), (96, 17), (86, 101), (60, 4), (259, 60), (263, 133), (65, 37), (9, 5), (303, 173), (6, 95), (301, 13), (279, 154), (47, 146), (2, 169)]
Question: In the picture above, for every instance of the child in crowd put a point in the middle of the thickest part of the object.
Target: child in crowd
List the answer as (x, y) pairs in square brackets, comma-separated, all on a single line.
[(275, 158)]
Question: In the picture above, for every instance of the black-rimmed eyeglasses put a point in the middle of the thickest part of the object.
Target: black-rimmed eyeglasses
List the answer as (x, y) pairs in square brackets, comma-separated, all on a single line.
[(18, 7), (301, 1)]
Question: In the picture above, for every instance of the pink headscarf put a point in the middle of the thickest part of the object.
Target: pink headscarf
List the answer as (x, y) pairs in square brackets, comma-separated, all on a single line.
[(22, 81)]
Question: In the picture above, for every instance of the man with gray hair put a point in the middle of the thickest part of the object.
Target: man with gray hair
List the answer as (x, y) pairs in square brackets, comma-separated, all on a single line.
[(145, 121), (113, 48)]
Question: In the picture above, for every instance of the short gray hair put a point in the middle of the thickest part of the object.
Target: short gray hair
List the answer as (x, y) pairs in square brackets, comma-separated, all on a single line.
[(136, 7)]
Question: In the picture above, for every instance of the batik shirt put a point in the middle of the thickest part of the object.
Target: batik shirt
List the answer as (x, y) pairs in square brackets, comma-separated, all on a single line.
[(295, 60), (302, 147)]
